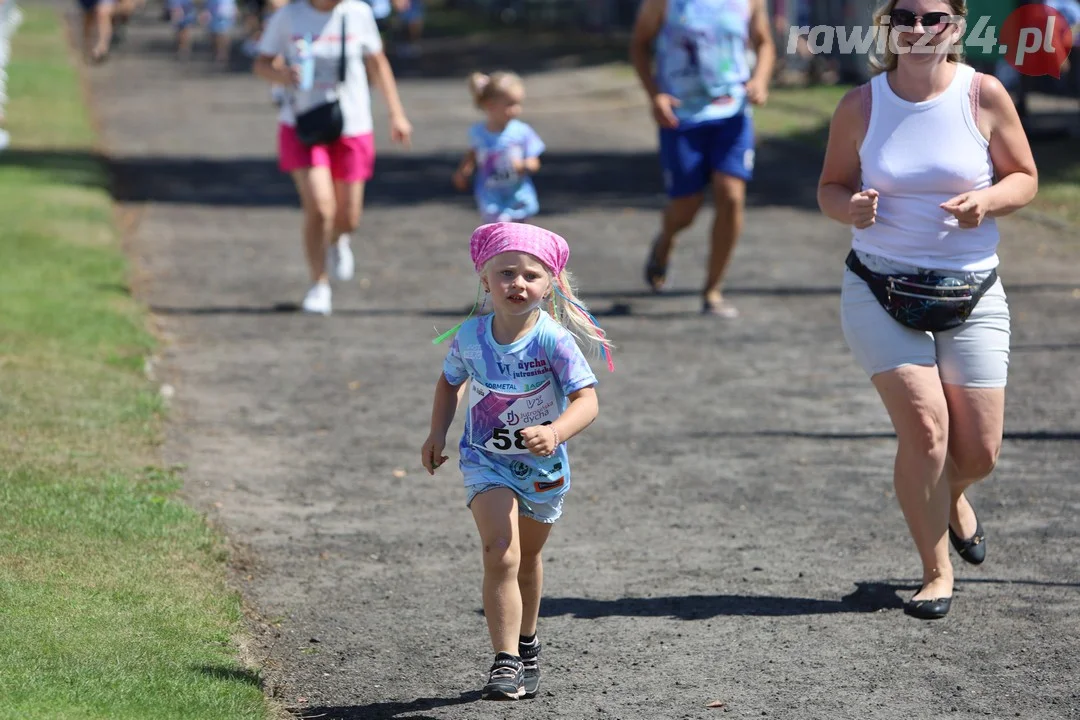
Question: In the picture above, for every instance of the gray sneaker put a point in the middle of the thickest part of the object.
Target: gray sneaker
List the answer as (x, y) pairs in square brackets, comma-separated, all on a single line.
[(530, 660), (506, 680)]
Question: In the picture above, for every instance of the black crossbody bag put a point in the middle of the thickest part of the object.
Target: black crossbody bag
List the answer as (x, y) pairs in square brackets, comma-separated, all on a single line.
[(926, 301), (323, 124)]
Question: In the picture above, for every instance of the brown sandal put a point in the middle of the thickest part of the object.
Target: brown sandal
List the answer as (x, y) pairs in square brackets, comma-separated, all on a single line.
[(655, 273)]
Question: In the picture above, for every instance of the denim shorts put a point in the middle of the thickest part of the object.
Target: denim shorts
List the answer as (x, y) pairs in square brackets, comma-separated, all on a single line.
[(222, 16), (974, 355), (546, 513)]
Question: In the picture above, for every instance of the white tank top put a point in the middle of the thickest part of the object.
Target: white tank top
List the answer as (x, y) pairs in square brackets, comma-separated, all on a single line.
[(917, 156)]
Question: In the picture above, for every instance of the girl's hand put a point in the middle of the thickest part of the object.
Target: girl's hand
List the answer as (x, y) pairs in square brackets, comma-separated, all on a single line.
[(400, 130), (528, 165), (757, 91), (968, 209), (540, 439), (431, 455), (863, 208), (461, 181)]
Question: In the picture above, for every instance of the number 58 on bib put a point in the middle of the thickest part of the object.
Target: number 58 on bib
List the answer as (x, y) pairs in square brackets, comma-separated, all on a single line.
[(496, 418)]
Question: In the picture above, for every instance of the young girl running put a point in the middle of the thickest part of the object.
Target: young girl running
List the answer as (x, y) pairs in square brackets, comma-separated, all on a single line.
[(503, 151), (531, 391)]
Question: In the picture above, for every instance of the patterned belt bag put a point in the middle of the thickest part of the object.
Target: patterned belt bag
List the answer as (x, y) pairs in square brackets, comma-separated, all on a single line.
[(927, 301)]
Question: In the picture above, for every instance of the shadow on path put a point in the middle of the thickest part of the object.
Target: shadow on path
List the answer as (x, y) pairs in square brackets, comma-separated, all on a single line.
[(568, 181), (1055, 435), (383, 710), (785, 176), (867, 597)]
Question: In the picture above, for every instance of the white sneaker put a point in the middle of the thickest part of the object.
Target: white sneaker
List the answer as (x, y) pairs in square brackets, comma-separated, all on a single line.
[(317, 300), (5, 139), (339, 259)]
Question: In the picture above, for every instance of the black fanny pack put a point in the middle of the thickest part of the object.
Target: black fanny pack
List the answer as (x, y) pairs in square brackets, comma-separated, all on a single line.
[(321, 125), (926, 301), (324, 123)]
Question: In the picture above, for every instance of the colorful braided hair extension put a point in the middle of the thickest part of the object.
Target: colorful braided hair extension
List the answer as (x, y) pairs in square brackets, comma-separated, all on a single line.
[(450, 333), (604, 352)]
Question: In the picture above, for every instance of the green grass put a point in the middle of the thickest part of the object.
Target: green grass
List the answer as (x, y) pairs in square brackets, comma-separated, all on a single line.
[(112, 595), (1059, 178), (801, 114)]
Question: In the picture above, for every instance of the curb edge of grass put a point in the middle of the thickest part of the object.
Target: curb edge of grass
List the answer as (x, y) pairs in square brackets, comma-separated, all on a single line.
[(125, 223)]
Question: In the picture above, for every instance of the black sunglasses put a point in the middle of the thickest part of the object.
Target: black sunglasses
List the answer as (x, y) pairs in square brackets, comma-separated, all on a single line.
[(906, 18)]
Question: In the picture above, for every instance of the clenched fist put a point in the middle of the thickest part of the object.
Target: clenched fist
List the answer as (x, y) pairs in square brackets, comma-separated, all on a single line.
[(863, 208), (540, 439)]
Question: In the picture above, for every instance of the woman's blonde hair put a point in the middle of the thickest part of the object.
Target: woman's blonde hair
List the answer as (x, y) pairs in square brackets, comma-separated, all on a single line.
[(570, 312), (885, 60), (485, 87)]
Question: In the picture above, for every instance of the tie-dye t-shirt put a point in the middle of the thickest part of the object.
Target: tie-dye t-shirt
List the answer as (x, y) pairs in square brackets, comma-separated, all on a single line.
[(701, 58), (501, 194), (514, 386)]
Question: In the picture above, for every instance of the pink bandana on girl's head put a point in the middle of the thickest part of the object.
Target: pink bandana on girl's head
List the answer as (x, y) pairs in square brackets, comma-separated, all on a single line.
[(489, 240)]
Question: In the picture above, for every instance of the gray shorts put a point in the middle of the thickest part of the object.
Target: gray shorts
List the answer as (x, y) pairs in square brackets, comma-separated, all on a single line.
[(546, 513), (975, 355)]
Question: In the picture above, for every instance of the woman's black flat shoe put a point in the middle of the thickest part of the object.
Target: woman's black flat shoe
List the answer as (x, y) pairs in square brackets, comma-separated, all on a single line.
[(928, 609), (973, 550)]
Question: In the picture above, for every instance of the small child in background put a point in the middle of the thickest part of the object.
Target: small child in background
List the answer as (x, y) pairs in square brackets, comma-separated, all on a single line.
[(218, 16), (503, 151)]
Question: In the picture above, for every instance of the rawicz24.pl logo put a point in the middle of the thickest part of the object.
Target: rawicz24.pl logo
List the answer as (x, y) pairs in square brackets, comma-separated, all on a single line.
[(1035, 39)]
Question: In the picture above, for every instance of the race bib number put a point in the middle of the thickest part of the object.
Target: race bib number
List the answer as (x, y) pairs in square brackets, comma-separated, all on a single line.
[(496, 418), (501, 171)]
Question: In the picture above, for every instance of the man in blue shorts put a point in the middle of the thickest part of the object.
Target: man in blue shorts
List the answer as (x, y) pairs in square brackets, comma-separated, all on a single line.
[(701, 90)]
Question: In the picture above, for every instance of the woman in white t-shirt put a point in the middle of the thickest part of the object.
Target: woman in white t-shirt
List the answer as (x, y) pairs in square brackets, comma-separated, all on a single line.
[(330, 177), (921, 161)]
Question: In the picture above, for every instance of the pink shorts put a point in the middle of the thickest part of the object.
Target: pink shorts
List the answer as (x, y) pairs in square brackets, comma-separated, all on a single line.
[(350, 159)]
